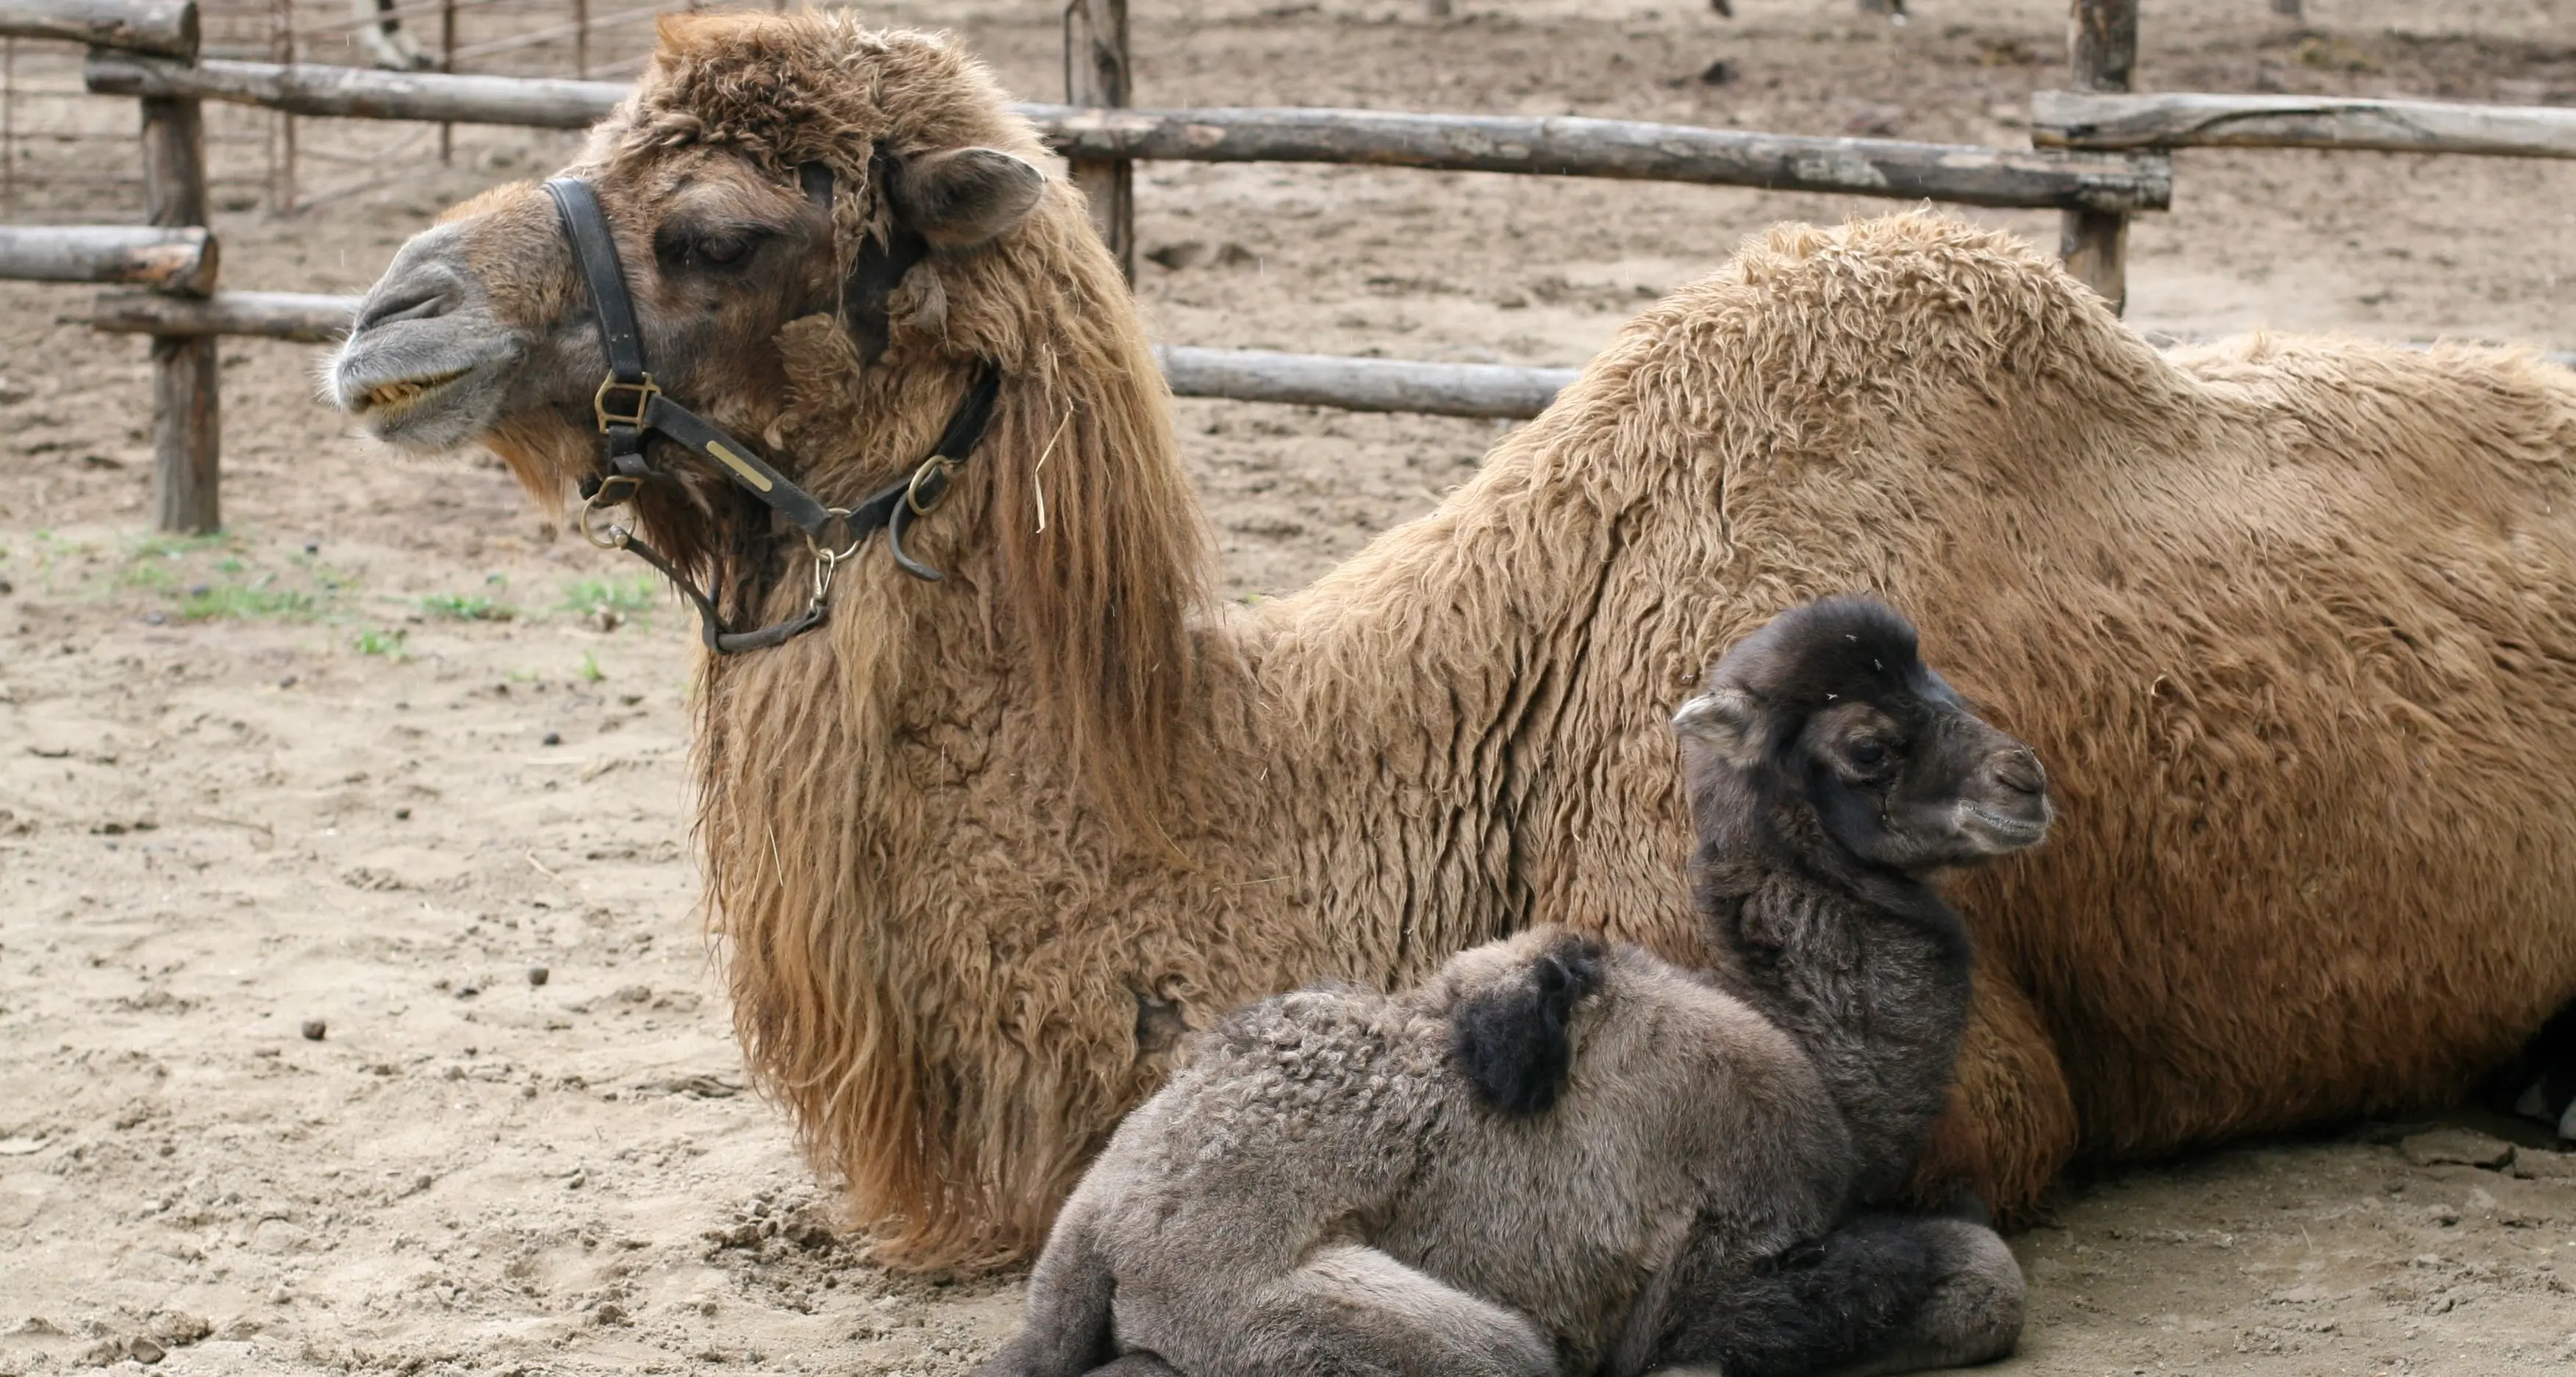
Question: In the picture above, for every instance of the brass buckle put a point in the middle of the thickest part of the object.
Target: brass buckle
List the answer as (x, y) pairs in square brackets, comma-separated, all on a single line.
[(912, 490), (644, 392)]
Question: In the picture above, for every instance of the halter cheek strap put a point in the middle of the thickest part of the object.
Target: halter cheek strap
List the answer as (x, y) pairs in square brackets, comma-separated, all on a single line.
[(629, 407)]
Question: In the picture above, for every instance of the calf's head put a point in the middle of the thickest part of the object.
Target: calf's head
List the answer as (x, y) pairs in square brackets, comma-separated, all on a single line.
[(1827, 722)]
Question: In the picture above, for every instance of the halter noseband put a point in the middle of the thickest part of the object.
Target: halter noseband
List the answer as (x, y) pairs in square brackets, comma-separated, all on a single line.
[(629, 407)]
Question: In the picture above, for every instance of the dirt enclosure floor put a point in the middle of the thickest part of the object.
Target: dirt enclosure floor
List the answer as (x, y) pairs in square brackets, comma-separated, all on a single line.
[(353, 1012)]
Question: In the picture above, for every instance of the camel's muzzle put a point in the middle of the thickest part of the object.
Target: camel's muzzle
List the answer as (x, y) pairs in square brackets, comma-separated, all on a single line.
[(426, 365)]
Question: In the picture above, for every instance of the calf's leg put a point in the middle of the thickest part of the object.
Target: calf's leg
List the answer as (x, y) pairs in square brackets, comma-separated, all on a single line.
[(1880, 1294)]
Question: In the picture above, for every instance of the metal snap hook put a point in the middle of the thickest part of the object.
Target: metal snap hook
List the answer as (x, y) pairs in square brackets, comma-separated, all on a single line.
[(616, 490), (826, 563), (824, 554)]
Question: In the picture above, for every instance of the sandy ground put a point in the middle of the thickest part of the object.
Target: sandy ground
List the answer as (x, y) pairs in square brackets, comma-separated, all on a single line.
[(291, 820)]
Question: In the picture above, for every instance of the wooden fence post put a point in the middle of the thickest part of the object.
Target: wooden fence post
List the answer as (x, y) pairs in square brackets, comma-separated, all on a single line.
[(187, 433), (2102, 45), (9, 123), (282, 194), (1096, 73), (447, 63)]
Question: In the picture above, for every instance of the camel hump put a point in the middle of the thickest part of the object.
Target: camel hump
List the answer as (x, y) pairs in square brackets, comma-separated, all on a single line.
[(1909, 292), (1812, 323)]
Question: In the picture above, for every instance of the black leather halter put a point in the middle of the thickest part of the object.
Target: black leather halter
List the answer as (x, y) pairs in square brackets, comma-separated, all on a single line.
[(630, 407)]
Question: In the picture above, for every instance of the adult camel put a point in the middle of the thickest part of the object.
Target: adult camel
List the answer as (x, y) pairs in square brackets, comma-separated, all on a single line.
[(2290, 621)]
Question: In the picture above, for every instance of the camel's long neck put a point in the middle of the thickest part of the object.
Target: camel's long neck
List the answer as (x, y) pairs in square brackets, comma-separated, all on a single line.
[(1868, 971), (1454, 676)]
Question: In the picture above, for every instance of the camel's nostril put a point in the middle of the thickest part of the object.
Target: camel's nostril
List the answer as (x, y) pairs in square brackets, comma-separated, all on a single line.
[(425, 302), (2019, 771)]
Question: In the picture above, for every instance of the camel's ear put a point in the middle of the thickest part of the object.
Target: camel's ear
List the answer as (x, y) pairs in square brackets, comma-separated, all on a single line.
[(1725, 720), (963, 197)]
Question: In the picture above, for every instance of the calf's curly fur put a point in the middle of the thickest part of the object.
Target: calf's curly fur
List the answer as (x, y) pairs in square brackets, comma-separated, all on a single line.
[(1326, 1186)]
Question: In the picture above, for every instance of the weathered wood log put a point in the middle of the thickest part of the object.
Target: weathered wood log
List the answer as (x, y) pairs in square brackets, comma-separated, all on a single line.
[(187, 425), (187, 435), (305, 317), (1435, 389), (1096, 74), (1555, 146), (2096, 120), (1250, 375), (165, 28), (181, 259), (356, 92), (1574, 146), (2102, 50)]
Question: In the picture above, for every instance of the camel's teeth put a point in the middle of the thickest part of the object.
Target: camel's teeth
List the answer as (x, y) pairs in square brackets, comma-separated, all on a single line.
[(406, 390)]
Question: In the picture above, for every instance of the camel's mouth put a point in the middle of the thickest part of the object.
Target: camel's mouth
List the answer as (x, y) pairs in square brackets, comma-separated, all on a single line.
[(387, 400), (427, 365), (1997, 832), (423, 393)]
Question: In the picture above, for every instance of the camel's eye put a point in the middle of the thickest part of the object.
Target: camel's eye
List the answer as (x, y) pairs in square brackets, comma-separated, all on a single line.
[(1868, 753), (731, 246)]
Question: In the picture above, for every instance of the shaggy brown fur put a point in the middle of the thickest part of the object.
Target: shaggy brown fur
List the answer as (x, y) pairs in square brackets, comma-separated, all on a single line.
[(2294, 624)]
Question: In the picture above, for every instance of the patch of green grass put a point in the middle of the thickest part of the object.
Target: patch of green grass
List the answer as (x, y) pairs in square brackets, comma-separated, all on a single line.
[(217, 577), (179, 546), (215, 601), (590, 671), (381, 642), (465, 607), (628, 597)]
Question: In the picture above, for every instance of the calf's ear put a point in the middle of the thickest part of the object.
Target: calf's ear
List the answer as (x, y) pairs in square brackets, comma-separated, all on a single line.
[(1725, 720), (1512, 1039), (963, 197)]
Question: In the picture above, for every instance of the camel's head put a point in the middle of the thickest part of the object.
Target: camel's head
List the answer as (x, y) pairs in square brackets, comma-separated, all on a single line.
[(1826, 726), (800, 208), (831, 237)]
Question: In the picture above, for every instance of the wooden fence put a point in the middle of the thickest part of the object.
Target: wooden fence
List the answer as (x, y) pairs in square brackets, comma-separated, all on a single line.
[(2102, 155)]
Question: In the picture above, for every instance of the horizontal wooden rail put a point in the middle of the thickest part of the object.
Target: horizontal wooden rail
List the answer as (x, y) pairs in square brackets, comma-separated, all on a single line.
[(1244, 375), (1554, 146), (1437, 389), (1349, 384), (180, 259), (164, 28), (360, 92), (1572, 146), (2104, 121), (307, 317)]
